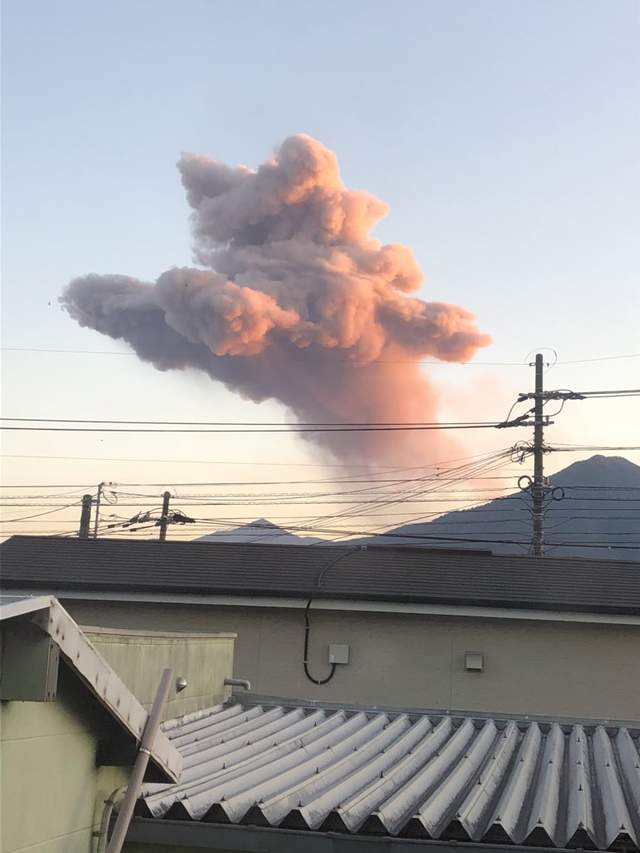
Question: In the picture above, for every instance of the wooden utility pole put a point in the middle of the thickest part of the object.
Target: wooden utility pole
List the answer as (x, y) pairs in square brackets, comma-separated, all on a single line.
[(164, 519), (85, 517), (537, 488), (97, 518)]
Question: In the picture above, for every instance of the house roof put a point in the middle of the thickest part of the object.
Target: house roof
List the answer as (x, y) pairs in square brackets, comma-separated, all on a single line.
[(405, 775), (436, 576), (95, 673)]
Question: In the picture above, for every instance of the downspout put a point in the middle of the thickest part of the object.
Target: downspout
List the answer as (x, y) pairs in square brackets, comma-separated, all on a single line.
[(139, 768), (105, 820)]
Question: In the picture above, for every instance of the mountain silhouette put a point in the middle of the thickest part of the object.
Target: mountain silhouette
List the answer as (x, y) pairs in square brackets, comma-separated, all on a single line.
[(592, 509), (261, 530)]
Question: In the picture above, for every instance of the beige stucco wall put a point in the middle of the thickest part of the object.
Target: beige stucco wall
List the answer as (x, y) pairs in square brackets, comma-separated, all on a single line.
[(564, 669), (51, 792)]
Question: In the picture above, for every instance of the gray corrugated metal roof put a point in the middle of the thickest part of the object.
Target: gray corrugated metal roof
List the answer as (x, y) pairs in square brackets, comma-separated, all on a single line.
[(497, 781), (377, 573)]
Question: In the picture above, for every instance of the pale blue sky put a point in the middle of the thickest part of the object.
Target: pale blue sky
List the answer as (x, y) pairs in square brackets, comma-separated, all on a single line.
[(504, 136)]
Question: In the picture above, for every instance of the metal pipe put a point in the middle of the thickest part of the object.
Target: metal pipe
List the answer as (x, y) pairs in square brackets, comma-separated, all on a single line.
[(238, 682), (142, 760), (107, 811)]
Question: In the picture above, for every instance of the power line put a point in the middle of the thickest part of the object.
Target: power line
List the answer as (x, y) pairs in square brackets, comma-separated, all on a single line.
[(67, 351), (357, 497), (43, 496), (599, 358), (327, 427), (255, 463), (240, 426), (583, 448), (224, 483), (375, 361), (548, 395), (623, 392), (286, 501), (234, 462), (227, 462), (260, 430), (343, 361), (243, 423), (37, 515), (426, 537), (424, 485)]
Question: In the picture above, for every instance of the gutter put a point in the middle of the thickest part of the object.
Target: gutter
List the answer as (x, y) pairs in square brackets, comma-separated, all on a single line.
[(348, 604), (197, 835)]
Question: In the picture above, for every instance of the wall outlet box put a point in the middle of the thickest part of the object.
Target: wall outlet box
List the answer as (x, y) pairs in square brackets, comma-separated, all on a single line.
[(338, 653), (474, 661)]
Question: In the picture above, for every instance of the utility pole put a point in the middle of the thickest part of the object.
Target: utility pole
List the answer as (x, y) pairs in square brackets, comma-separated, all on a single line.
[(97, 518), (85, 517), (537, 488), (164, 518)]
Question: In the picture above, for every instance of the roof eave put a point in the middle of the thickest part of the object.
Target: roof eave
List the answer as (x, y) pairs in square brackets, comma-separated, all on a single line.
[(234, 837), (348, 595)]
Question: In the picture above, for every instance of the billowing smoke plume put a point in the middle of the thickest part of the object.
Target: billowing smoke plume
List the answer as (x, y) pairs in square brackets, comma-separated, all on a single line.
[(296, 302)]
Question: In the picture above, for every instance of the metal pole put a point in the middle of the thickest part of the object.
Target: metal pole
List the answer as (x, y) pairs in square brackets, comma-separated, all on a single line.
[(137, 774), (85, 517), (97, 518), (538, 465), (165, 515)]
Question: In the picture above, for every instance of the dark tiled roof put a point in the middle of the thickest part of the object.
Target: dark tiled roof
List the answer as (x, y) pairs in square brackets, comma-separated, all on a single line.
[(376, 573), (439, 777)]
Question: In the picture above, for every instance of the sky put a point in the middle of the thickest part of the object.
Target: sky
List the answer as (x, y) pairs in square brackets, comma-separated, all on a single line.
[(502, 135)]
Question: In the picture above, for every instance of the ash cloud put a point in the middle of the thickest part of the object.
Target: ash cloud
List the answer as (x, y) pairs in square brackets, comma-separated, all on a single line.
[(293, 300)]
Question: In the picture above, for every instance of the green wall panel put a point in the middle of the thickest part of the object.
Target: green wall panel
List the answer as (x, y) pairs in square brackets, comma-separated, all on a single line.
[(51, 791), (139, 658)]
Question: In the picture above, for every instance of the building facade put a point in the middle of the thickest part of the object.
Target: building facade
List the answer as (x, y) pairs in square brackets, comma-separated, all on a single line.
[(551, 666), (407, 628)]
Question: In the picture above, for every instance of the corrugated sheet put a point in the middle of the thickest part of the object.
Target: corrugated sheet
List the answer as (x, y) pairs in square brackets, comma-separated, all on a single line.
[(498, 781), (377, 573)]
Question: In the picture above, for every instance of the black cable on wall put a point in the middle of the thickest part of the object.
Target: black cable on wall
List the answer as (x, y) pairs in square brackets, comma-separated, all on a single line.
[(307, 621)]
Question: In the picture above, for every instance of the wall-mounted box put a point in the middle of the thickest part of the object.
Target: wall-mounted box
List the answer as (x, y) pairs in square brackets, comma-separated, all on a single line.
[(474, 661), (338, 653)]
